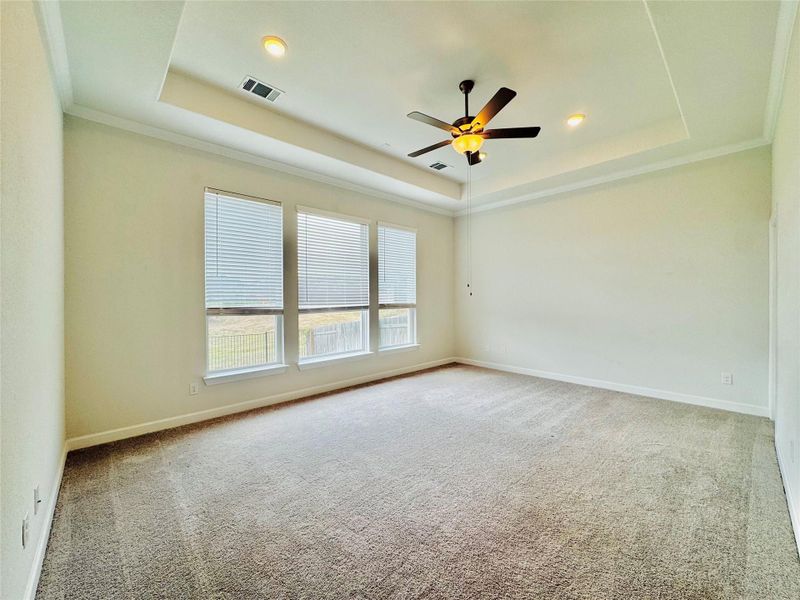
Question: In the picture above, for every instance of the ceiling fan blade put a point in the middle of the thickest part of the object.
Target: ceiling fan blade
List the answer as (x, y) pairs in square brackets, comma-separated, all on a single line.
[(422, 118), (429, 148), (473, 158), (494, 106), (510, 132)]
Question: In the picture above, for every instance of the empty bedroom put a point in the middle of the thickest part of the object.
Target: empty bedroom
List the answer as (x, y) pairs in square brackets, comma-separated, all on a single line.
[(400, 299)]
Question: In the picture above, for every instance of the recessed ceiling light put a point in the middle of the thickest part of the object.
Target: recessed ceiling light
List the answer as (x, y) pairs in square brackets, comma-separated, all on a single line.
[(274, 45), (576, 119)]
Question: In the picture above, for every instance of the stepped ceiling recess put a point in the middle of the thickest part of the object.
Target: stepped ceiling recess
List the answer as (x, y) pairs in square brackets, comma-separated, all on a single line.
[(660, 83)]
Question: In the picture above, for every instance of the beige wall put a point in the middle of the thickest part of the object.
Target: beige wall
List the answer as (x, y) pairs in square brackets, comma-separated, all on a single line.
[(135, 320), (32, 295), (786, 212), (658, 281)]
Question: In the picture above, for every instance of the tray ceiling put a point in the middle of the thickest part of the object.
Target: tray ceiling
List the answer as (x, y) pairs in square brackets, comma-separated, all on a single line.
[(658, 81)]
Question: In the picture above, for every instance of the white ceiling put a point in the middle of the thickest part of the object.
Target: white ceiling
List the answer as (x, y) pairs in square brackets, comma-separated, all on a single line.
[(659, 81)]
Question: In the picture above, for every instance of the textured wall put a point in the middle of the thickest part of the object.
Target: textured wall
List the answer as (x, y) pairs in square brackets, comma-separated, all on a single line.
[(135, 318), (32, 298), (786, 211), (659, 281)]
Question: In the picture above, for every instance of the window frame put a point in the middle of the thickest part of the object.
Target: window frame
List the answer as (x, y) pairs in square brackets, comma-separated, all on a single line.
[(366, 310), (277, 366), (370, 312), (413, 317)]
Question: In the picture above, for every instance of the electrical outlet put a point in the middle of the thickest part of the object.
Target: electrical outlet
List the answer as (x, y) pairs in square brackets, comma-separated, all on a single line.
[(193, 389), (26, 531), (37, 500), (727, 378)]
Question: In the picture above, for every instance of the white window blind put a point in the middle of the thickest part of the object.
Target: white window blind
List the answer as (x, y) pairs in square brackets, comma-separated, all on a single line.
[(244, 255), (397, 267), (333, 262)]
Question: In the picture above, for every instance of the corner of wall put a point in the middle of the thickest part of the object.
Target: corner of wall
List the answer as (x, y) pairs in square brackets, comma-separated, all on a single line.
[(32, 448)]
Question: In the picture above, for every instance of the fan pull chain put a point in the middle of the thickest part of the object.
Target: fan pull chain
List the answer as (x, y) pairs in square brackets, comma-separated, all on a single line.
[(469, 228)]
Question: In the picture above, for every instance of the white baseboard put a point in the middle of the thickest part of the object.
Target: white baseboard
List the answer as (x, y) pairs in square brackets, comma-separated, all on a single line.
[(44, 533), (791, 499), (747, 409), (122, 433)]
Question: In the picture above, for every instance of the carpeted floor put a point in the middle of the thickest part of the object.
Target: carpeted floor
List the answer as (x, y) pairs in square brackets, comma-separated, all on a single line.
[(454, 483)]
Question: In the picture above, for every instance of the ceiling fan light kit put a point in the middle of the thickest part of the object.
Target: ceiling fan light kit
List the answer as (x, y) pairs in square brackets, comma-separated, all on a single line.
[(468, 131), (468, 142)]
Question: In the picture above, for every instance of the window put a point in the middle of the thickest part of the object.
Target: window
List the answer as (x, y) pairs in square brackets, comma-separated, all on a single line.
[(333, 285), (397, 286), (244, 282)]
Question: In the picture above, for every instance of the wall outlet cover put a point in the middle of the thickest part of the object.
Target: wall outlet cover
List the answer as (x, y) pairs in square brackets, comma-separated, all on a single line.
[(37, 500)]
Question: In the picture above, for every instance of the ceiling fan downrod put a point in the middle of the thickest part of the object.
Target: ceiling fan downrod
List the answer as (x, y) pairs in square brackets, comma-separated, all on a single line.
[(466, 87)]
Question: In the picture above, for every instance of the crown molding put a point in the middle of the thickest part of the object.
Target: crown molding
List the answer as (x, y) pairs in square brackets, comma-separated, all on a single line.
[(780, 57), (103, 118), (96, 116), (625, 174), (51, 25)]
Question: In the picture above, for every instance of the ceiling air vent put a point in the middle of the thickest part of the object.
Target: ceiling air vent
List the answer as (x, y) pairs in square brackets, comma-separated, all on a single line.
[(439, 166), (267, 92)]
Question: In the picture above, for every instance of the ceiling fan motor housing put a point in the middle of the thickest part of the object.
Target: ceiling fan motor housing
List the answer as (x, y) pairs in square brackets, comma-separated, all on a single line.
[(463, 121)]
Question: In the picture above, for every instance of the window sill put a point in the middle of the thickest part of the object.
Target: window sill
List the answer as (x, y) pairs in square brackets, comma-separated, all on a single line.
[(324, 361), (249, 373), (392, 349)]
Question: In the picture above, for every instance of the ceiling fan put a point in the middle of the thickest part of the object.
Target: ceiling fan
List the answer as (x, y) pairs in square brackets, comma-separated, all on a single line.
[(468, 132)]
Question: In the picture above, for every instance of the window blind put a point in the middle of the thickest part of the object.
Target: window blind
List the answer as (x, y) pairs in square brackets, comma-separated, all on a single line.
[(333, 262), (397, 267), (244, 255)]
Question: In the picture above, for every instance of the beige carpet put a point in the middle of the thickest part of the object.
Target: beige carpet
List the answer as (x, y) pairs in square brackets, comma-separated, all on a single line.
[(454, 483)]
